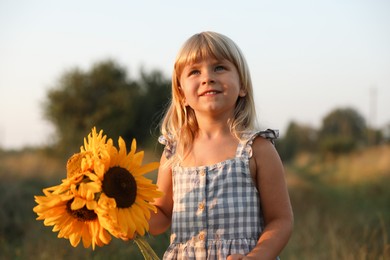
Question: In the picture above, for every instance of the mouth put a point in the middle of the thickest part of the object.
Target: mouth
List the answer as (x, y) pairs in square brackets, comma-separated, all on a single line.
[(209, 93)]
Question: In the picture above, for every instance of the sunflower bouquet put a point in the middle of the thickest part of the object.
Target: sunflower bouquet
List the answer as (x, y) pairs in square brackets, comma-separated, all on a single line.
[(104, 194)]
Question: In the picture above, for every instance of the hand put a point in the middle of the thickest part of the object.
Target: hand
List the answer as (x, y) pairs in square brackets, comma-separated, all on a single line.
[(240, 257), (236, 257)]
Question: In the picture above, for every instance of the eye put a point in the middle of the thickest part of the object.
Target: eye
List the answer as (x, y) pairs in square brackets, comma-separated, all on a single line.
[(193, 72), (219, 68)]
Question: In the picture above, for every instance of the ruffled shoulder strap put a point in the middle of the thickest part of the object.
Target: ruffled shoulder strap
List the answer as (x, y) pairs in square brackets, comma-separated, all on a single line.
[(244, 148), (170, 147)]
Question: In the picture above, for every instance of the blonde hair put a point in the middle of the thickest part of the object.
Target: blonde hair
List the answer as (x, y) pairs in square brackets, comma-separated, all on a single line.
[(179, 126)]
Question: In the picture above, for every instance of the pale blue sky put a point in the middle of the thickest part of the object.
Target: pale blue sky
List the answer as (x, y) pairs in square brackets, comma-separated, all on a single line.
[(306, 57)]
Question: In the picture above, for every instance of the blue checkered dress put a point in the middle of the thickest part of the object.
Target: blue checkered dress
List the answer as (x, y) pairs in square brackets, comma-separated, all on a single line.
[(216, 208)]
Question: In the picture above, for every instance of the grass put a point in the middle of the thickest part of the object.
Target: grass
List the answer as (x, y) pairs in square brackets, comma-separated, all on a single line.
[(341, 207)]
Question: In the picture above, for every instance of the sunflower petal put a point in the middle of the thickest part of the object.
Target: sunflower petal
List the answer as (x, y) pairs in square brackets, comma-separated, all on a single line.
[(133, 146), (86, 236), (122, 221), (147, 168)]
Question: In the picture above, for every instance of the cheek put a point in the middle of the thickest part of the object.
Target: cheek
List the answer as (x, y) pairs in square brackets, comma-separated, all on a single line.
[(188, 88)]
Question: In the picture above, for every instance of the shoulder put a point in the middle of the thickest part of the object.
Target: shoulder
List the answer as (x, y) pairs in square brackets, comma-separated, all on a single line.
[(265, 154), (264, 139), (262, 144), (264, 159)]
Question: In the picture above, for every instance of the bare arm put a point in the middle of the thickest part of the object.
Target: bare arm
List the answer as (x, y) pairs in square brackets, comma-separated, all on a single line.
[(275, 201), (160, 221)]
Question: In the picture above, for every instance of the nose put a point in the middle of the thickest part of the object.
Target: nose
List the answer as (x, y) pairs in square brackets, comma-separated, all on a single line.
[(208, 78)]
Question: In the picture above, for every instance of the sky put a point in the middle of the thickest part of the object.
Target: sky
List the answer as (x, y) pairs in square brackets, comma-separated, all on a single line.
[(306, 58)]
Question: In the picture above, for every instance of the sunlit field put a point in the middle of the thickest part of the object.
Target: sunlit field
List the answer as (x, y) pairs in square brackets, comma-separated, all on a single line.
[(341, 206)]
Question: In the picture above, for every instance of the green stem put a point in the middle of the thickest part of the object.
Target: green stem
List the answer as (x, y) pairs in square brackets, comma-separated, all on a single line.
[(145, 248)]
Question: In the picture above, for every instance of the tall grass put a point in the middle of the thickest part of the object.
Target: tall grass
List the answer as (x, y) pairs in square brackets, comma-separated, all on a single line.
[(341, 207)]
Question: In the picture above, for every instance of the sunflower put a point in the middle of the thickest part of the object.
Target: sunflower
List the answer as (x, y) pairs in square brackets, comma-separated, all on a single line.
[(124, 204), (71, 212), (105, 193)]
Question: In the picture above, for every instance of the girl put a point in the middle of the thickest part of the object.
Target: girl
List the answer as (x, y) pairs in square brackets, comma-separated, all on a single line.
[(225, 191)]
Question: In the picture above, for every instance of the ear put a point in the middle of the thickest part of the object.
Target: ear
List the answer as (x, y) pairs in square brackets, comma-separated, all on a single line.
[(183, 100), (242, 93)]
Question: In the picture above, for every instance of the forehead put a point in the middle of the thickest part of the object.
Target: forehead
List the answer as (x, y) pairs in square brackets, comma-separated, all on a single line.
[(205, 61), (198, 50), (199, 57)]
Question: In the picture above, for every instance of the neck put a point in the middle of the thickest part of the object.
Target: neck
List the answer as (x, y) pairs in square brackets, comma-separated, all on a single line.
[(213, 128)]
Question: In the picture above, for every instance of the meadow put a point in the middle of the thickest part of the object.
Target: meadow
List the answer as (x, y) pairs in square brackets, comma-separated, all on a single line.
[(341, 207)]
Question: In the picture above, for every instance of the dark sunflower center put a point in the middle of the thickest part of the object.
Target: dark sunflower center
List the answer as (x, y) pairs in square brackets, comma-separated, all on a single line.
[(82, 214), (119, 183)]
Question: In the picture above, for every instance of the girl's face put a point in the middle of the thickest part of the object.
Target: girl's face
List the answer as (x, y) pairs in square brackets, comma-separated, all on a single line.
[(211, 86)]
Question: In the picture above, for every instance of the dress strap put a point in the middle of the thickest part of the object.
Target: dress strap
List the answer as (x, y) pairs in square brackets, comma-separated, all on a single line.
[(170, 147), (244, 148)]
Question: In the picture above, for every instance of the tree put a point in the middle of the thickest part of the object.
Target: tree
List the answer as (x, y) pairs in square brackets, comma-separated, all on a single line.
[(106, 98), (153, 100), (342, 130), (298, 138)]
